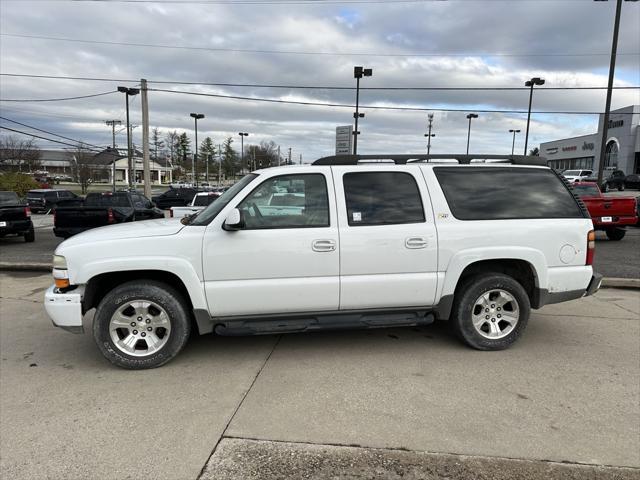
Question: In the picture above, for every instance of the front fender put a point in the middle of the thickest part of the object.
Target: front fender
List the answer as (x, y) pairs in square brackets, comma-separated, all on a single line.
[(180, 267)]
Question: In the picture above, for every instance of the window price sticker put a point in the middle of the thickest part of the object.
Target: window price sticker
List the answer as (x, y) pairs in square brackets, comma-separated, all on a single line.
[(357, 217)]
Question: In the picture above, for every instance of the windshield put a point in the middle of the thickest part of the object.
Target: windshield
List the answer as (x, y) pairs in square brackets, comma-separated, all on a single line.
[(586, 190), (8, 198), (209, 213)]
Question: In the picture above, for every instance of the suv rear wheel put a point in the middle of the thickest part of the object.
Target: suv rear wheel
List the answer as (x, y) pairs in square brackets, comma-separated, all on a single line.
[(491, 311), (141, 325), (616, 233)]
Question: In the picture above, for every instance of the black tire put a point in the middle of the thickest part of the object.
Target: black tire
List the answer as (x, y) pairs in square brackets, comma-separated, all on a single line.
[(161, 294), (465, 301), (30, 236), (616, 233)]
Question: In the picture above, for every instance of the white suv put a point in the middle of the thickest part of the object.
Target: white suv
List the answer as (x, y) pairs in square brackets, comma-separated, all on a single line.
[(367, 241), (577, 175)]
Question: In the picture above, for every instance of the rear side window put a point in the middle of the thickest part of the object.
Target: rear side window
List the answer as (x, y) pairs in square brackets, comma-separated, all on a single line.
[(488, 193), (382, 198)]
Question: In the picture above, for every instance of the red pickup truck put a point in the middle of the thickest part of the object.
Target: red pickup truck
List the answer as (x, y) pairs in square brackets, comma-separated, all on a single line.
[(611, 214)]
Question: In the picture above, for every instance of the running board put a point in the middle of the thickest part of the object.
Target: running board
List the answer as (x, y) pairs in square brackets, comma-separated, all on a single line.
[(321, 321)]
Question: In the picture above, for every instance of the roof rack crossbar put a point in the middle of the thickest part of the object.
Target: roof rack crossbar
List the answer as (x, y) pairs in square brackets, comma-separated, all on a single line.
[(403, 159)]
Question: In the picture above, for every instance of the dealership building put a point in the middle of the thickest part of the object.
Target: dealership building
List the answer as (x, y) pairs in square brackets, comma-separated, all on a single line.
[(622, 147)]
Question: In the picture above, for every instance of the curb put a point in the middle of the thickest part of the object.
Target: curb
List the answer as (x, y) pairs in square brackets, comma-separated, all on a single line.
[(612, 282), (607, 282), (25, 267)]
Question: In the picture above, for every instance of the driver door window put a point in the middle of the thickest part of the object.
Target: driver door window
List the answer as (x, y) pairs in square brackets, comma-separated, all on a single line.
[(288, 201)]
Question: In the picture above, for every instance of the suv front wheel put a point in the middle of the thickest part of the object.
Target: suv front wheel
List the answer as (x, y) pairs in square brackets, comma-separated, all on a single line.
[(141, 325), (491, 311)]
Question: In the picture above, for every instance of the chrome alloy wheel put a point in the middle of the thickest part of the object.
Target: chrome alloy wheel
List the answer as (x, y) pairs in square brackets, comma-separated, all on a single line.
[(495, 314), (140, 328)]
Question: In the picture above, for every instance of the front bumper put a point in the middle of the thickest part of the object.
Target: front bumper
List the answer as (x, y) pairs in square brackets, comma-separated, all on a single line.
[(65, 309)]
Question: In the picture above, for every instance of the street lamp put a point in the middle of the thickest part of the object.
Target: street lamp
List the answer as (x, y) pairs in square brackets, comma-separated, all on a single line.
[(358, 73), (429, 135), (129, 92), (530, 83), (196, 117), (242, 135), (470, 116), (514, 139)]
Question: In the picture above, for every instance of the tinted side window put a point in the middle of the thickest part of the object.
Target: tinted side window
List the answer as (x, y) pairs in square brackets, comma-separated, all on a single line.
[(382, 198), (51, 196), (494, 193), (311, 208)]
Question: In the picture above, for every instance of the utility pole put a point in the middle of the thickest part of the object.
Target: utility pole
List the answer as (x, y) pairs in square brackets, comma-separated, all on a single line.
[(194, 173), (289, 156), (513, 144), (145, 138), (112, 124), (300, 159), (219, 163), (429, 135), (278, 155), (607, 109), (530, 83)]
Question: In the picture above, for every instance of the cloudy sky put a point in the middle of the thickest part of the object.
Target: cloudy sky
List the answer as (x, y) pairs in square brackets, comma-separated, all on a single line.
[(455, 43)]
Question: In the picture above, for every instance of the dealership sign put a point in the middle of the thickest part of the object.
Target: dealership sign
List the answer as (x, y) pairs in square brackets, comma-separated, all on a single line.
[(344, 139), (588, 146)]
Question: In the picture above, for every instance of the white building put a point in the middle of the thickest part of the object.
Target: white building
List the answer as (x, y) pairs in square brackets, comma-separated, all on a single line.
[(583, 152)]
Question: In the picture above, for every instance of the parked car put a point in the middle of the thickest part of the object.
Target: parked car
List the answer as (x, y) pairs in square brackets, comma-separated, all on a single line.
[(199, 202), (15, 217), (632, 181), (175, 197), (576, 175), (101, 209), (377, 244), (611, 214), (44, 200)]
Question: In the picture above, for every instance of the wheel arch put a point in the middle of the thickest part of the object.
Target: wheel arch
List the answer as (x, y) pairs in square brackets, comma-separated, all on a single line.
[(523, 270)]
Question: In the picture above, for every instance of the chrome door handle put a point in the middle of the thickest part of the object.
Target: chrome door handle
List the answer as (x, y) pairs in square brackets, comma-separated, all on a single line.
[(415, 242), (323, 245)]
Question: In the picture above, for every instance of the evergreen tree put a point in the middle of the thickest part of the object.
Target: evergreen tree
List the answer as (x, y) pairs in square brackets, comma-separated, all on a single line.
[(206, 154), (183, 149), (229, 159)]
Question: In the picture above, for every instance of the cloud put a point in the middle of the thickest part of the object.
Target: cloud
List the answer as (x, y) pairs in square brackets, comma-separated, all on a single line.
[(481, 43)]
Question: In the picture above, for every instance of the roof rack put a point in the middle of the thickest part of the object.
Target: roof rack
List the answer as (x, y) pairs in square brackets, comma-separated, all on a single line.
[(403, 159)]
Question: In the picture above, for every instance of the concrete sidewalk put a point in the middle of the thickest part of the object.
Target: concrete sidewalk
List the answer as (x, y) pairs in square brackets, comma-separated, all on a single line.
[(568, 392)]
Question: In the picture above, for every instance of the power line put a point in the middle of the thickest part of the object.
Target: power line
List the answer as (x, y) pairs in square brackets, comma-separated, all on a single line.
[(300, 52), (49, 133), (55, 99), (372, 107), (44, 138), (305, 87)]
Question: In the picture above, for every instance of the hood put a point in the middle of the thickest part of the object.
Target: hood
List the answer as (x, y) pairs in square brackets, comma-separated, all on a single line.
[(145, 228)]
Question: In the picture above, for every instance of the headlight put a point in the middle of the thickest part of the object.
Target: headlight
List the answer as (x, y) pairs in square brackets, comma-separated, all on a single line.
[(59, 262)]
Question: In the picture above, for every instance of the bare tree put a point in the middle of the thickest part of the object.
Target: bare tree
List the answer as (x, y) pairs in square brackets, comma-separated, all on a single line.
[(82, 166), (19, 155)]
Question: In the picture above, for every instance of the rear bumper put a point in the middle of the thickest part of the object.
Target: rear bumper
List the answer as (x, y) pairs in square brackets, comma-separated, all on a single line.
[(69, 232), (65, 309), (16, 226), (617, 223), (542, 296)]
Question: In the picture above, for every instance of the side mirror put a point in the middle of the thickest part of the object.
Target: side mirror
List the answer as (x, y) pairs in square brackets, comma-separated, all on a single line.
[(234, 221)]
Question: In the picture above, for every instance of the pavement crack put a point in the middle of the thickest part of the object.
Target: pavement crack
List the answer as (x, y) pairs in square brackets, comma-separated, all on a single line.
[(21, 299), (226, 427)]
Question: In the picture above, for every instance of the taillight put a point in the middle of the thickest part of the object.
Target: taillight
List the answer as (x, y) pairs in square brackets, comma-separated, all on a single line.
[(591, 247), (27, 211), (110, 217)]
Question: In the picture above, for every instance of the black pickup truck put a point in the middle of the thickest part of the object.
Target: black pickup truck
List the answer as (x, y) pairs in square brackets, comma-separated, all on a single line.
[(101, 209), (15, 217)]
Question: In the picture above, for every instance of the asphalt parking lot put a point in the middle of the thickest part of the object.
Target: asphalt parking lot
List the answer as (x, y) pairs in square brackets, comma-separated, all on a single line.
[(564, 402)]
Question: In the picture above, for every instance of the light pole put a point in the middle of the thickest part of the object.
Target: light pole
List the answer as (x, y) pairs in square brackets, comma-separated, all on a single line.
[(429, 135), (242, 135), (128, 92), (112, 124), (358, 73), (196, 117), (470, 116), (513, 145), (530, 83)]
